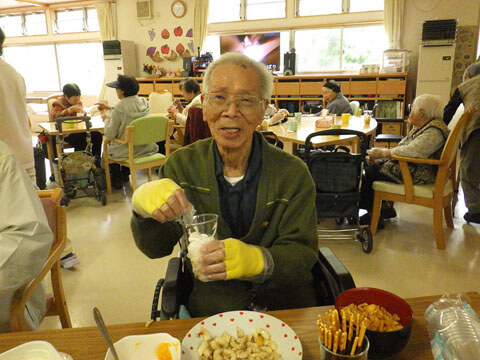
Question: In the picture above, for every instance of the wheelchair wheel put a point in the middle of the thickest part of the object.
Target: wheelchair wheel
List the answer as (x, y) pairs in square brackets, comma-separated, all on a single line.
[(103, 198), (70, 191), (65, 201), (366, 239), (339, 220)]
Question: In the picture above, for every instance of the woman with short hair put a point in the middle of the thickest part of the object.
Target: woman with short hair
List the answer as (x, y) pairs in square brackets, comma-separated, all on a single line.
[(337, 103), (190, 89)]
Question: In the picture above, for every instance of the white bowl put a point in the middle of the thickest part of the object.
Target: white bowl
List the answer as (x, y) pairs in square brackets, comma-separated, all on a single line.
[(144, 347), (33, 350)]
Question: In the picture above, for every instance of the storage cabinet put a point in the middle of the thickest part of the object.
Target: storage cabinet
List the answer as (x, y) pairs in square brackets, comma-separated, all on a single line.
[(292, 92)]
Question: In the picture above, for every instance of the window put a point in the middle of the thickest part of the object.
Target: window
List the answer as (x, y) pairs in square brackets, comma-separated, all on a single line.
[(236, 10), (358, 48), (265, 9), (224, 11), (12, 25), (319, 7), (76, 20), (340, 48), (318, 49), (45, 68), (365, 5), (37, 64), (322, 7), (35, 24)]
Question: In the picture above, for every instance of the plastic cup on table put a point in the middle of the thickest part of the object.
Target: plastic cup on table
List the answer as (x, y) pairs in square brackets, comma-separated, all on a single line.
[(292, 125), (367, 116), (298, 117), (346, 119), (361, 354)]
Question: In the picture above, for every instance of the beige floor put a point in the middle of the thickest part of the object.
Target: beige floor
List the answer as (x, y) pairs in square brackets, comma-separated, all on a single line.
[(115, 277)]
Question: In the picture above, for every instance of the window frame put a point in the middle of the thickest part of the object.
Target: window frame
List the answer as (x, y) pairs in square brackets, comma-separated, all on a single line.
[(293, 22), (243, 14)]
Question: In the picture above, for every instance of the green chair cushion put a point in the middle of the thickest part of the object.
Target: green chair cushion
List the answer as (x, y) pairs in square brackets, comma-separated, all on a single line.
[(148, 158)]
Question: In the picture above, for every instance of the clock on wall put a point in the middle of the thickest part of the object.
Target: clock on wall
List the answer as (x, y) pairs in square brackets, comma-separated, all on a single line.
[(179, 8)]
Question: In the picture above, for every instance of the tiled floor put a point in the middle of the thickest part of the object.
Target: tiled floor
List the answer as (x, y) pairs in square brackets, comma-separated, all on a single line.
[(115, 277)]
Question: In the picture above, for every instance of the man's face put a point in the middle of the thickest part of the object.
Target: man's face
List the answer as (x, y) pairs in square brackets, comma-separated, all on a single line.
[(232, 126), (328, 94)]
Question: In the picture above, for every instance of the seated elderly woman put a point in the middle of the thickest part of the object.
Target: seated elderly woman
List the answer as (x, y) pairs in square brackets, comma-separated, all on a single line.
[(425, 140), (190, 89), (264, 199), (337, 103)]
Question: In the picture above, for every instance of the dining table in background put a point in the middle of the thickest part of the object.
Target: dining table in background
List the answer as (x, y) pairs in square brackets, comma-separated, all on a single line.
[(291, 139), (78, 127), (88, 344)]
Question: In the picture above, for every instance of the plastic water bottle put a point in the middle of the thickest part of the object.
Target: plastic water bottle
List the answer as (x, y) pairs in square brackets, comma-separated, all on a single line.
[(454, 328)]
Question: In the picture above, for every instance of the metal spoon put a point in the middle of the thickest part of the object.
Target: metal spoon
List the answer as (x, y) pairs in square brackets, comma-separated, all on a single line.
[(103, 329)]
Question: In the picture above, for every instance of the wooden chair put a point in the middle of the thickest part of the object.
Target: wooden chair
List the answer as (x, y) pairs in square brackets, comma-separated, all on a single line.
[(436, 196), (56, 215), (159, 102), (141, 131)]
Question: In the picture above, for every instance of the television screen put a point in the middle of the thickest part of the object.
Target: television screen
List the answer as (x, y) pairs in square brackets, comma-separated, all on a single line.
[(260, 47)]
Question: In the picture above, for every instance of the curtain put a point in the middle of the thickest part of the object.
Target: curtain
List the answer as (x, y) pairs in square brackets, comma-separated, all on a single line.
[(106, 20), (393, 20), (200, 22)]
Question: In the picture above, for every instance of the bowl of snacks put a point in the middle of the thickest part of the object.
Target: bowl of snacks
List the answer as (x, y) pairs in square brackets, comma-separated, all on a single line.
[(388, 318)]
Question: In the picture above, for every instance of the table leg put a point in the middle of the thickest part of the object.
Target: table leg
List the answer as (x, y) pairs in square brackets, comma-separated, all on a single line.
[(290, 147), (50, 154)]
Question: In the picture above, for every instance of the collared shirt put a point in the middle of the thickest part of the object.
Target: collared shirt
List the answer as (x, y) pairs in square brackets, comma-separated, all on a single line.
[(238, 202)]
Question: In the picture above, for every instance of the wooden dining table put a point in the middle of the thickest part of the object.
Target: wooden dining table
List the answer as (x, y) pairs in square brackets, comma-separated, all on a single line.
[(306, 126), (88, 344)]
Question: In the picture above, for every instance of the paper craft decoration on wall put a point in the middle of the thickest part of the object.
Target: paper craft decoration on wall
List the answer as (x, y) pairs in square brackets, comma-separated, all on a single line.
[(152, 34), (172, 56), (189, 33), (165, 49), (190, 46), (178, 31), (153, 54), (165, 34), (180, 49)]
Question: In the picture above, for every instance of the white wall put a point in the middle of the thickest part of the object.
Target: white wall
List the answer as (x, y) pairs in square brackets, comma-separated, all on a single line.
[(417, 11), (130, 28)]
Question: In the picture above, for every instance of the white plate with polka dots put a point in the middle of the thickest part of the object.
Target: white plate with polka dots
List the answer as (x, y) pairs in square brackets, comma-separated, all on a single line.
[(288, 343)]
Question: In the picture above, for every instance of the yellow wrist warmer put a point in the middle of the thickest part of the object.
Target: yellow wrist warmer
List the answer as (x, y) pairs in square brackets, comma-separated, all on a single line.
[(152, 195), (242, 260)]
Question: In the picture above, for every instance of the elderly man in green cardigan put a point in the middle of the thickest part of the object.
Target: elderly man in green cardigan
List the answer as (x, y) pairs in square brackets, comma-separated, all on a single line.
[(264, 199)]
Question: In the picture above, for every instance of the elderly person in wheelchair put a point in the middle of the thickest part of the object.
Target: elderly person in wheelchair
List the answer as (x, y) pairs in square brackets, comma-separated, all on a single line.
[(264, 199)]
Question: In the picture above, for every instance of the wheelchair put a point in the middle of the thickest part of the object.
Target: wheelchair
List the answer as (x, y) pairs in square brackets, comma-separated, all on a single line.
[(330, 276)]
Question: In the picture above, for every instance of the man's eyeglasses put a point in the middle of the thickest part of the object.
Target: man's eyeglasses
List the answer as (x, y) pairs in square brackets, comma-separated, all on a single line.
[(246, 104)]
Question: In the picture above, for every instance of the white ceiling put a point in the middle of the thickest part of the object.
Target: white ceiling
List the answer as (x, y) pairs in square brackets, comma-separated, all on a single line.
[(8, 4)]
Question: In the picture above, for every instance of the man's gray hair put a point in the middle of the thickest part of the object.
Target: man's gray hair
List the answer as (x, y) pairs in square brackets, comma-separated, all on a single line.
[(264, 76), (473, 70), (431, 105), (2, 39)]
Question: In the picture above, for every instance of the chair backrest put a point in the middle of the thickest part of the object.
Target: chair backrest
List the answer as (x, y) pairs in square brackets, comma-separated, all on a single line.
[(453, 140), (196, 128), (355, 105), (149, 129), (456, 117), (50, 100), (159, 102)]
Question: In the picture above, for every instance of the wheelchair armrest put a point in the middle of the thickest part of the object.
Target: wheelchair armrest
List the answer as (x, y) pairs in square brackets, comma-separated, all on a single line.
[(338, 271), (171, 295), (331, 277)]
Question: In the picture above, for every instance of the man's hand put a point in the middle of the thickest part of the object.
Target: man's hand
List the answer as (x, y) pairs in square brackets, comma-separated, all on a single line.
[(161, 199)]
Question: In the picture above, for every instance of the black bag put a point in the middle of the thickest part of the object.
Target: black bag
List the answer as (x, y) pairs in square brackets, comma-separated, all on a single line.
[(40, 174)]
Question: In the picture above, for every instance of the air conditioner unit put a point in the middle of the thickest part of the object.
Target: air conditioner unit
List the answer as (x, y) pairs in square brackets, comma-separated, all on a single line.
[(144, 9)]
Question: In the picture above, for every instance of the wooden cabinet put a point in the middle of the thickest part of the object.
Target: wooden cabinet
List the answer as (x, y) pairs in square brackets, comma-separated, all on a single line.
[(294, 92)]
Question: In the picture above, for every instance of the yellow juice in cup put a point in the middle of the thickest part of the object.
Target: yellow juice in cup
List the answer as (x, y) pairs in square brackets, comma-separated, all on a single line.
[(345, 119)]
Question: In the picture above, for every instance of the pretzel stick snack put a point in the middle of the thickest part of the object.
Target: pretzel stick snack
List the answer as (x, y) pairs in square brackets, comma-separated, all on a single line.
[(354, 346)]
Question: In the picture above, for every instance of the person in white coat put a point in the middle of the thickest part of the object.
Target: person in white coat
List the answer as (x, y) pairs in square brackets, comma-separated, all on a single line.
[(25, 239), (13, 114)]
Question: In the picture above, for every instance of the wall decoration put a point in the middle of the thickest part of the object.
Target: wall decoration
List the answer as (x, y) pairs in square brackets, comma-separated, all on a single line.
[(165, 49), (178, 31), (190, 46), (172, 56), (180, 49), (465, 52), (153, 54), (179, 8), (189, 33), (152, 34), (165, 34)]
